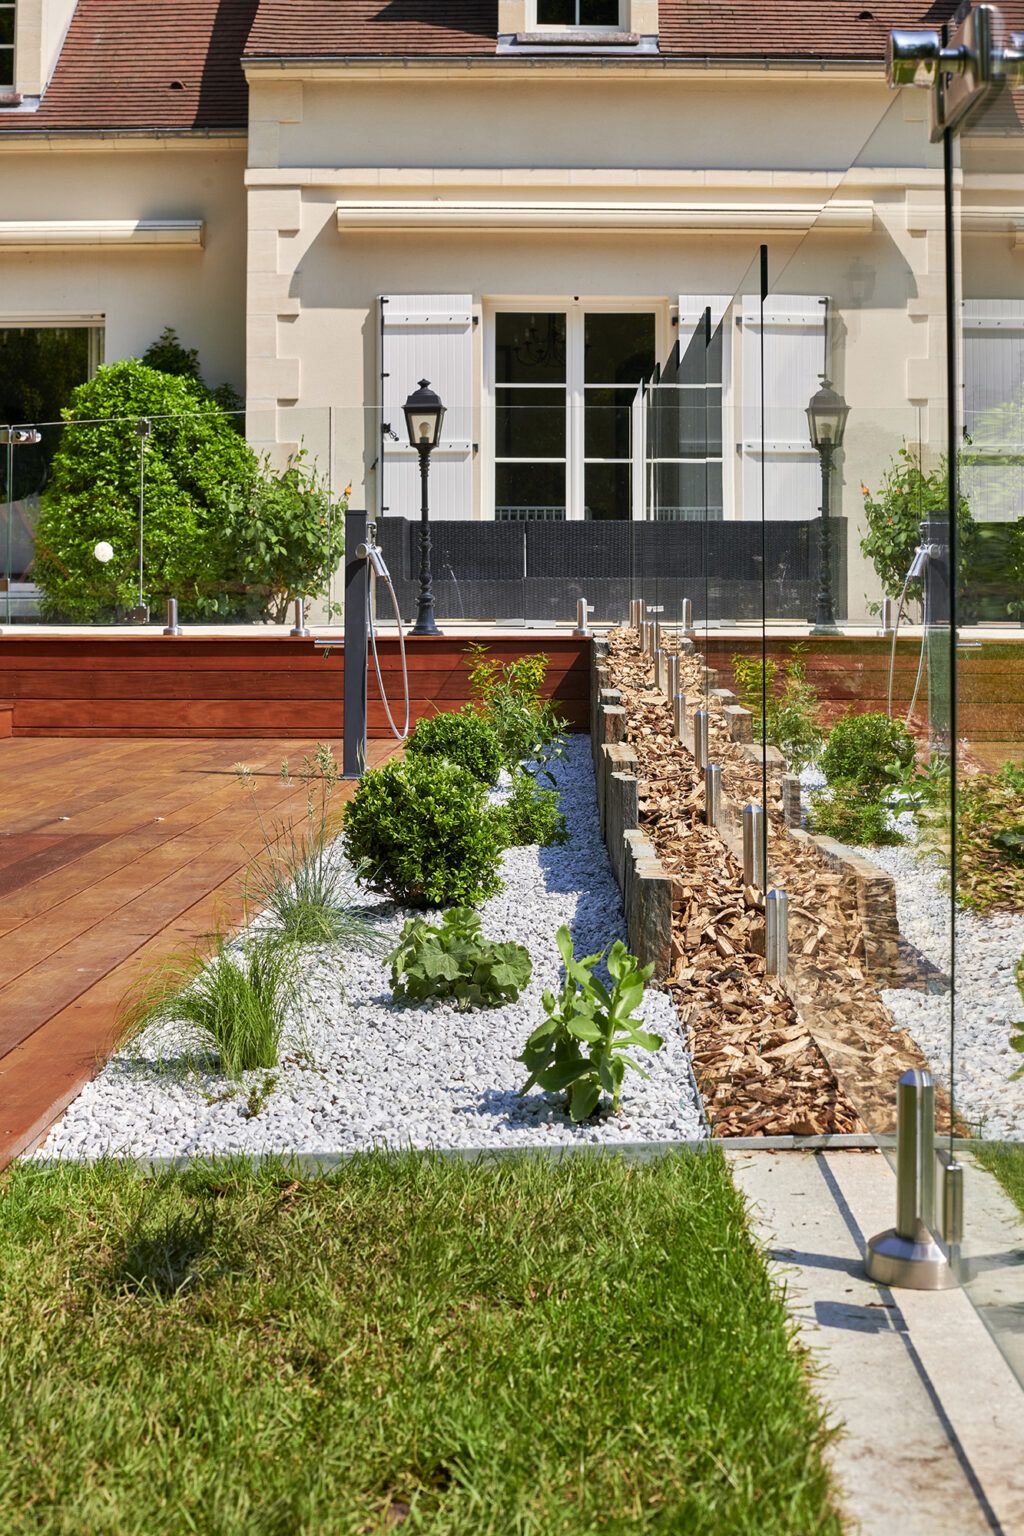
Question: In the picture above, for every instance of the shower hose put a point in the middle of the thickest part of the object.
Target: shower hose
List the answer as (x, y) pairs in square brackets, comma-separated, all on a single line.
[(380, 572), (916, 569)]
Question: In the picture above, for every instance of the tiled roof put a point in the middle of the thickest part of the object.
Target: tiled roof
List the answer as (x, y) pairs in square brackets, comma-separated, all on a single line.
[(176, 64), (172, 64), (361, 28), (688, 28)]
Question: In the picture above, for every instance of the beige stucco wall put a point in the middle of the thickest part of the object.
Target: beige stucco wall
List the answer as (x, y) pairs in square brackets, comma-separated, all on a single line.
[(760, 141), (135, 291)]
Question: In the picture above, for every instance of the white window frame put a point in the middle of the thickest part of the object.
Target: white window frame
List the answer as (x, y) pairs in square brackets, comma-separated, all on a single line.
[(576, 26), (10, 51), (576, 311)]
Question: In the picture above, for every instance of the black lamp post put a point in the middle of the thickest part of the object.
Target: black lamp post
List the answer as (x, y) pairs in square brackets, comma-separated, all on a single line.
[(424, 413), (826, 418)]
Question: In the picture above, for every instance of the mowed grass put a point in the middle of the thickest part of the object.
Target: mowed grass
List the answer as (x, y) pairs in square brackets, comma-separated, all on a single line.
[(1006, 1160), (512, 1349)]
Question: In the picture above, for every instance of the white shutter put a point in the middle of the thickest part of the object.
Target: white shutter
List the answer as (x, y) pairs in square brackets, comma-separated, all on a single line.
[(993, 332), (428, 336), (692, 309), (794, 361)]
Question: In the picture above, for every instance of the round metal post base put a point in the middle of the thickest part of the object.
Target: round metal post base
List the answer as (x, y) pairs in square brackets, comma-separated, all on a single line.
[(908, 1265), (824, 629)]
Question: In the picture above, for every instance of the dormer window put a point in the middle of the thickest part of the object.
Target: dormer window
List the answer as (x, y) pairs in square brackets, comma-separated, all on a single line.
[(6, 45), (590, 14)]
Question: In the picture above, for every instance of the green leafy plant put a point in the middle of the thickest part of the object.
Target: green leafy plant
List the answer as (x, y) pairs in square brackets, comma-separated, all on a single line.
[(296, 879), (791, 715), (990, 840), (866, 760), (909, 495), (237, 1001), (1017, 1037), (531, 815), (528, 728), (283, 537), (581, 1046), (868, 750), (462, 736), (853, 816), (422, 832), (455, 960), (167, 355), (222, 533)]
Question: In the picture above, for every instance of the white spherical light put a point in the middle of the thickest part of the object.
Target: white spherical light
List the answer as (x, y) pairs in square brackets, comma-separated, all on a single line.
[(104, 552)]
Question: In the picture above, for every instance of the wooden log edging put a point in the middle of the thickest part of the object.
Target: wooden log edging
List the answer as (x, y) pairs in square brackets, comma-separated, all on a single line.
[(645, 886)]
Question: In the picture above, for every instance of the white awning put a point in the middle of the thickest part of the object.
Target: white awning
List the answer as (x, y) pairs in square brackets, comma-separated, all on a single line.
[(64, 234), (599, 217)]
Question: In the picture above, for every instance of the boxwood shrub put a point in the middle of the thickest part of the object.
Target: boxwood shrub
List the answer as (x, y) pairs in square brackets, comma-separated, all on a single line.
[(422, 832), (870, 750), (461, 736)]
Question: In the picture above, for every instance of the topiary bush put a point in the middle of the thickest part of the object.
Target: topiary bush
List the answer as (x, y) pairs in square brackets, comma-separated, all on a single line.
[(461, 736), (223, 534), (422, 833), (870, 750), (192, 455)]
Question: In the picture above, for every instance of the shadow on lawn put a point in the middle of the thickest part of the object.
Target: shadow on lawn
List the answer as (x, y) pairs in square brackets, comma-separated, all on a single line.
[(163, 1251)]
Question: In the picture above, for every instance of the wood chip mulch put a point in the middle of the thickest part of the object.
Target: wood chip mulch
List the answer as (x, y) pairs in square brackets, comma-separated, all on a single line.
[(827, 1063)]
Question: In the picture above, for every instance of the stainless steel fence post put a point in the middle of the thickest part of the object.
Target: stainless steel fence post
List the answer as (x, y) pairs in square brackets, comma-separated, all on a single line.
[(753, 847), (700, 737), (659, 669), (776, 943), (712, 794), (357, 583), (679, 715), (636, 612), (687, 616), (299, 629), (672, 674), (644, 627), (173, 627), (907, 1254)]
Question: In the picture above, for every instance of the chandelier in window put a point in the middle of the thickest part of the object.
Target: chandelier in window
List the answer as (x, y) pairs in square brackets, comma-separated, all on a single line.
[(540, 345)]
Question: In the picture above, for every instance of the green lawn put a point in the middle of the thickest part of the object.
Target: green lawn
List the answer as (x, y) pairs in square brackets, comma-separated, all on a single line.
[(512, 1349), (1006, 1160)]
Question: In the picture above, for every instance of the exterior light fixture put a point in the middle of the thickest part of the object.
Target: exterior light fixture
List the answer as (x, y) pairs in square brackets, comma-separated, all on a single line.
[(827, 413), (424, 414)]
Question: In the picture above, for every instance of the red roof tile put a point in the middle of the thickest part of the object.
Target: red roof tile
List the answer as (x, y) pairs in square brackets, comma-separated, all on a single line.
[(688, 28), (148, 64), (175, 64)]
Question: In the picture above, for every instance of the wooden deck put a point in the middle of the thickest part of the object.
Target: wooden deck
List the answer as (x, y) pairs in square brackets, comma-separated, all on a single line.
[(113, 853)]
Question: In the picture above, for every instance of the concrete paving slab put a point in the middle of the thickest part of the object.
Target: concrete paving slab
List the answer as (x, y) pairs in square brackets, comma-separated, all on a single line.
[(931, 1412)]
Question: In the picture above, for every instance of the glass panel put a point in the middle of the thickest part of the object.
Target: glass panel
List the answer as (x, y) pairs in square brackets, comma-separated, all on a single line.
[(606, 494), (538, 489), (619, 348), (530, 423), (599, 13), (556, 13), (606, 431), (529, 348), (688, 492), (6, 27), (988, 719)]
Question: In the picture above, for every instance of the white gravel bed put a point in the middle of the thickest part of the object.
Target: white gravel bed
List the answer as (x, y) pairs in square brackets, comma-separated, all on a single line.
[(360, 1071), (988, 1003)]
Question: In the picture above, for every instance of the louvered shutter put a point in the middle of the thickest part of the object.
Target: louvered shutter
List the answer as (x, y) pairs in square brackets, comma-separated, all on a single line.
[(428, 336), (993, 332), (692, 309), (794, 361)]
